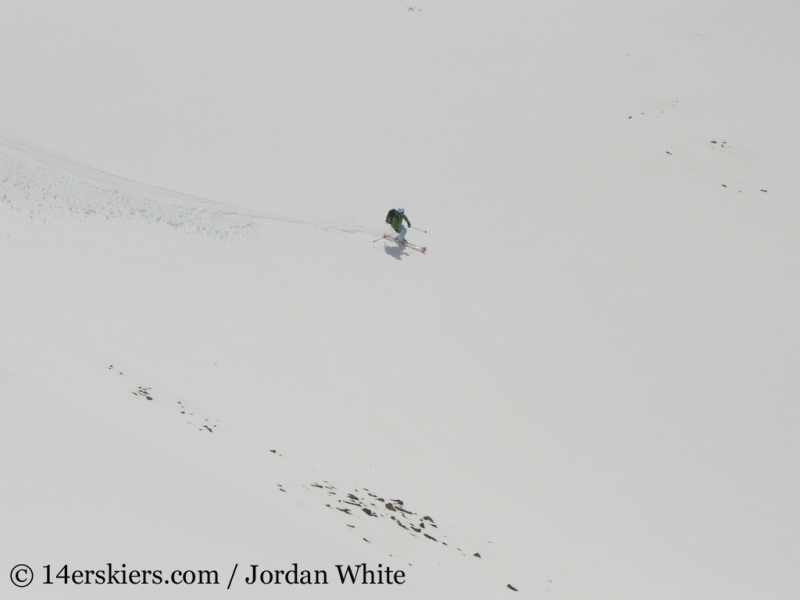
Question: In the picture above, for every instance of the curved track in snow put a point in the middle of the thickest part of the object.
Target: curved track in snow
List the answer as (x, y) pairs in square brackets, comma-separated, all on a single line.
[(48, 185)]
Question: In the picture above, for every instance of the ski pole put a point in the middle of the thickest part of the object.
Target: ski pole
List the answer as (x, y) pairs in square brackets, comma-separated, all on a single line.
[(418, 229)]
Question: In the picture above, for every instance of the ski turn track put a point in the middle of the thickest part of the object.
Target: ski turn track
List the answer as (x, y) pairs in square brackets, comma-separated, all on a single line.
[(47, 186)]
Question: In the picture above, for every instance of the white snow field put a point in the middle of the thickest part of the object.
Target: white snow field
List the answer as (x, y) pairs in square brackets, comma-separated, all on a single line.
[(590, 380)]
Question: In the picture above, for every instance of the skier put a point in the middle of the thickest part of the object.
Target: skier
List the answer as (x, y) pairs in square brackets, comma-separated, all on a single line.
[(395, 218)]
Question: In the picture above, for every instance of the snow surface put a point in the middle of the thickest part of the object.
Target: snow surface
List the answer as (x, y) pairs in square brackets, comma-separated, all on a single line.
[(590, 379)]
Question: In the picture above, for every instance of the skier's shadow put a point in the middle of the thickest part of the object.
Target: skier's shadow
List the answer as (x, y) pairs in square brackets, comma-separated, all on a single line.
[(395, 251)]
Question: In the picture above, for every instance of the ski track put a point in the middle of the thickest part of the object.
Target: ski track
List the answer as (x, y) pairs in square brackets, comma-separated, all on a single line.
[(49, 186)]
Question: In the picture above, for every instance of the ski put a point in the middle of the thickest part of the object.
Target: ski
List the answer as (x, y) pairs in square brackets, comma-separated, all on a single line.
[(393, 238)]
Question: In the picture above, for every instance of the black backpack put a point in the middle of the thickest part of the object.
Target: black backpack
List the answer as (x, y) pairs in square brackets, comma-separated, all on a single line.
[(391, 216)]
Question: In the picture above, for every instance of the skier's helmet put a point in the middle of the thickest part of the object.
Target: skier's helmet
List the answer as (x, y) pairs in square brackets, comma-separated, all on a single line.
[(401, 210)]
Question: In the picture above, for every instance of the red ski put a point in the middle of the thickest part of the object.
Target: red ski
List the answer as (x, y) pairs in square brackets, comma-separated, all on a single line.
[(393, 238)]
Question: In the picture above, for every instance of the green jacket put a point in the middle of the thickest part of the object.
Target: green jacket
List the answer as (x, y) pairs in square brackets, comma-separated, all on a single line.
[(397, 220)]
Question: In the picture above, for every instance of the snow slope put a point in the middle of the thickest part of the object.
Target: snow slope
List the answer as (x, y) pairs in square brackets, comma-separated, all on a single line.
[(589, 380)]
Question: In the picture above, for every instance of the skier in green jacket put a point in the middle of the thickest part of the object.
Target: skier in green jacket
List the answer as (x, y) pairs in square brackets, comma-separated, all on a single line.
[(396, 221)]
